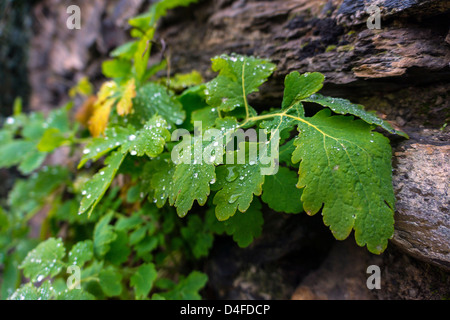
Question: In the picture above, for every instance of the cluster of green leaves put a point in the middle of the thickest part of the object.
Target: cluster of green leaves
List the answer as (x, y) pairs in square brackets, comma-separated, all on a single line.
[(118, 209)]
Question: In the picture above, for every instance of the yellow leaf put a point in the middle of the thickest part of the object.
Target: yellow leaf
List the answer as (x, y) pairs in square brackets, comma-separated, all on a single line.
[(102, 108), (85, 112), (106, 91), (125, 105), (100, 117)]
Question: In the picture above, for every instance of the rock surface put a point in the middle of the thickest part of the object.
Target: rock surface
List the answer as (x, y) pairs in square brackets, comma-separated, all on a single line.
[(344, 274), (422, 186)]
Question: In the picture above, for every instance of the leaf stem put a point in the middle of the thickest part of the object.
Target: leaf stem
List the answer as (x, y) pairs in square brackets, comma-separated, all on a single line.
[(247, 114)]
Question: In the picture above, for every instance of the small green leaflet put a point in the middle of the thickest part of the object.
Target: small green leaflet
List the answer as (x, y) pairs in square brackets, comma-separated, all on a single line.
[(100, 182), (128, 223), (81, 253), (156, 11), (344, 106), (51, 139), (188, 288), (155, 99), (246, 226), (142, 280), (298, 87), (197, 236), (280, 191), (191, 182), (103, 235), (74, 294), (110, 281), (44, 260), (238, 77), (26, 292), (125, 51), (150, 140), (47, 292), (137, 235), (346, 168), (236, 185), (161, 180), (116, 68), (36, 189), (12, 152), (118, 249), (100, 146), (32, 160)]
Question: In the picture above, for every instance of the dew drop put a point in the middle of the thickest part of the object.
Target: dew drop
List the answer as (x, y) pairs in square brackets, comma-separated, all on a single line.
[(233, 198), (232, 175)]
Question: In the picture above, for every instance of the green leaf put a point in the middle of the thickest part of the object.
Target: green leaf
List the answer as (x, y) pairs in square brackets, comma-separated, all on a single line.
[(156, 11), (142, 280), (162, 172), (193, 99), (74, 294), (116, 68), (146, 246), (246, 226), (344, 106), (81, 253), (346, 169), (159, 9), (191, 182), (59, 118), (34, 127), (44, 260), (238, 77), (110, 281), (298, 87), (285, 154), (11, 277), (29, 195), (31, 161), (26, 292), (125, 51), (154, 99), (188, 288), (236, 185), (280, 191), (137, 235), (100, 146), (207, 116), (103, 235), (95, 188), (51, 139), (150, 140), (198, 238), (119, 251), (13, 152), (180, 82), (142, 53), (128, 223)]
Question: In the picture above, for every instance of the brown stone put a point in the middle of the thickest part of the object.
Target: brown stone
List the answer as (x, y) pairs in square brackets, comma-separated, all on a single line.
[(422, 186)]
